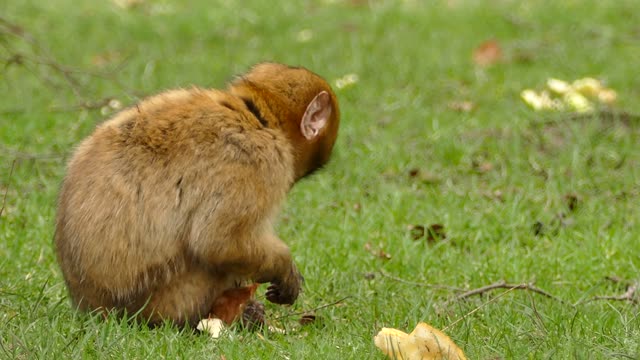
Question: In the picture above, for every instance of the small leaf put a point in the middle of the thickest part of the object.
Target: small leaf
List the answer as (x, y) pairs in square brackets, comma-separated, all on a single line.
[(538, 228), (488, 53), (462, 106), (307, 319), (571, 201), (369, 275), (436, 232), (417, 231)]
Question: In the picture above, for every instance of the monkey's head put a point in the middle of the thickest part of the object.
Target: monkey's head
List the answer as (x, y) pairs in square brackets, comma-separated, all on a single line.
[(298, 102)]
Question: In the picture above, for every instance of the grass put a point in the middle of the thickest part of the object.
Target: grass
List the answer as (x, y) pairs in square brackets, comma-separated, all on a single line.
[(488, 175)]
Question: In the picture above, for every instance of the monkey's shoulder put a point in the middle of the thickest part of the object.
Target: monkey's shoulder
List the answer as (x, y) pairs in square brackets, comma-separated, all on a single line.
[(188, 120), (181, 130)]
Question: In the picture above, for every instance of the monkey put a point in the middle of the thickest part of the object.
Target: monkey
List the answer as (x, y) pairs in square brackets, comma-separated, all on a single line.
[(170, 204)]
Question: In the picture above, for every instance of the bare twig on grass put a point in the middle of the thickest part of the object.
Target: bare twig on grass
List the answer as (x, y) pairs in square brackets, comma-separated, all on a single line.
[(6, 190), (84, 105), (21, 155), (629, 295), (314, 309), (498, 285), (433, 286), (477, 309), (41, 57), (504, 285), (16, 57)]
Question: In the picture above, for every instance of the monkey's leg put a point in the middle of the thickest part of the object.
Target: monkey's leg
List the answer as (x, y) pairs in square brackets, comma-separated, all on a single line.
[(186, 299)]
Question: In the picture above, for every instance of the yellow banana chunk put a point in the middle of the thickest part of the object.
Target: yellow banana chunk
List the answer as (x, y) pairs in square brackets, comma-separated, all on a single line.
[(558, 86), (540, 101), (578, 102), (532, 99), (423, 343), (587, 86), (607, 96)]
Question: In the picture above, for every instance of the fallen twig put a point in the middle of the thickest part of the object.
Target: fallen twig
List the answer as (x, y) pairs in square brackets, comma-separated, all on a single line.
[(504, 285), (84, 105), (6, 190), (41, 57), (476, 309), (629, 295), (314, 309), (21, 155)]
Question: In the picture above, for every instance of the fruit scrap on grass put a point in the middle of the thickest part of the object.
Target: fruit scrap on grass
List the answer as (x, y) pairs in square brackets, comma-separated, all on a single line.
[(577, 96), (227, 308), (212, 325), (230, 305), (423, 343)]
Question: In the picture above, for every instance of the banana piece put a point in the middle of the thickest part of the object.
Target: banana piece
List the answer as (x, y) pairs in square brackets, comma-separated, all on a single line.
[(423, 343)]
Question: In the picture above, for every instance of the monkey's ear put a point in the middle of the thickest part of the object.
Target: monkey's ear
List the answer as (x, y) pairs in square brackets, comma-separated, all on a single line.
[(316, 116)]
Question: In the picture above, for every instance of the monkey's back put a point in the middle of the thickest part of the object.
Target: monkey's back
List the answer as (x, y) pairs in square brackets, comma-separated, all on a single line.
[(142, 192)]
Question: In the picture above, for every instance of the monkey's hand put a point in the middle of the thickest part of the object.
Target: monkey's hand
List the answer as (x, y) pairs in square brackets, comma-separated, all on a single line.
[(285, 291)]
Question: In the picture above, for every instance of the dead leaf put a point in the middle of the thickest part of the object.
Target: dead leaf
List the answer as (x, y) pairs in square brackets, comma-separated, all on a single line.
[(384, 255), (369, 276), (571, 201), (307, 319), (494, 195), (436, 232), (462, 106), (482, 167), (423, 343), (538, 228), (416, 231), (378, 253), (106, 58), (424, 177), (488, 53), (127, 4)]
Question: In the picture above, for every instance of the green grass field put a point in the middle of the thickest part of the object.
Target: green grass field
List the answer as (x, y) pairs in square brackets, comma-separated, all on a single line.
[(543, 198)]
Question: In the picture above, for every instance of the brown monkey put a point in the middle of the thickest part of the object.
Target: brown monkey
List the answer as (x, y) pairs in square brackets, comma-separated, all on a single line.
[(171, 203)]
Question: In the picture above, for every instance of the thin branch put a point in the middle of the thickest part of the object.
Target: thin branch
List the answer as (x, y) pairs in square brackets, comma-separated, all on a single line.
[(629, 295), (6, 190), (20, 155), (41, 56), (477, 309), (84, 105), (314, 309), (504, 285), (433, 286)]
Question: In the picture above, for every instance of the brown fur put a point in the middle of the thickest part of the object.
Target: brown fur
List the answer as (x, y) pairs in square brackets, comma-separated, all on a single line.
[(171, 202)]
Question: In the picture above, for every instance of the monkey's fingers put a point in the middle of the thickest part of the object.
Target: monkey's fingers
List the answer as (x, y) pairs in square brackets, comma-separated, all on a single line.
[(276, 295)]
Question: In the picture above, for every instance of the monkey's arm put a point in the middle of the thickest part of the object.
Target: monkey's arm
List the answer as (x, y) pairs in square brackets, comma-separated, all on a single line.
[(231, 234), (263, 258), (286, 280)]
